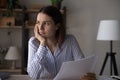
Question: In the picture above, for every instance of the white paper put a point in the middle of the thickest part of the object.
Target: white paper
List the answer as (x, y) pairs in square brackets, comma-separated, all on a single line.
[(73, 70)]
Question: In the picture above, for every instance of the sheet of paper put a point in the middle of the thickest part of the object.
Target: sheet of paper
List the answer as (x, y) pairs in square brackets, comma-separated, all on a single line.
[(73, 70)]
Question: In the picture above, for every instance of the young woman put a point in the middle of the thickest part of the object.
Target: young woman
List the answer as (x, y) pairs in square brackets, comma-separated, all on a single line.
[(50, 46)]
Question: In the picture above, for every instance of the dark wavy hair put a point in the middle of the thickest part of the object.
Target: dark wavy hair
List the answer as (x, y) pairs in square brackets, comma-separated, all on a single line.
[(57, 17)]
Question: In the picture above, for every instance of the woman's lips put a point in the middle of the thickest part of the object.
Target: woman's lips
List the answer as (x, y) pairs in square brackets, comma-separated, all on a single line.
[(42, 33)]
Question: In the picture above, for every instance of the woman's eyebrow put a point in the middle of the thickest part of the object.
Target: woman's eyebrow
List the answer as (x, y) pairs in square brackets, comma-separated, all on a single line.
[(43, 21), (48, 21)]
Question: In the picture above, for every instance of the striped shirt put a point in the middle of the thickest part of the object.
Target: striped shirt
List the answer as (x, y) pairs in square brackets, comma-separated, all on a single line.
[(42, 63)]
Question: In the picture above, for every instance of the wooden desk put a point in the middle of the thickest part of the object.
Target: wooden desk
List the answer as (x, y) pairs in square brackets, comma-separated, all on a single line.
[(19, 77), (26, 77), (22, 77)]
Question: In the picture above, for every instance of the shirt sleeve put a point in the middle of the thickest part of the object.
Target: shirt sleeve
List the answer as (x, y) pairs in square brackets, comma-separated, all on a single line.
[(36, 58), (76, 50)]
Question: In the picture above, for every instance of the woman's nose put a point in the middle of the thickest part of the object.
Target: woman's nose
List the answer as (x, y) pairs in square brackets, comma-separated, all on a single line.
[(41, 26)]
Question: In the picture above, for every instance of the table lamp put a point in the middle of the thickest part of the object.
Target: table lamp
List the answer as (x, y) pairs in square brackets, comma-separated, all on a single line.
[(109, 30), (12, 55)]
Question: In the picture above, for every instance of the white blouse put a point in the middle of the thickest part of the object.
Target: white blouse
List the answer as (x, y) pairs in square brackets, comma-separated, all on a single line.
[(43, 64)]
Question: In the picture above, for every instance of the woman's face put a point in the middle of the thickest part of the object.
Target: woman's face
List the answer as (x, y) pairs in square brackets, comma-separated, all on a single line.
[(46, 25)]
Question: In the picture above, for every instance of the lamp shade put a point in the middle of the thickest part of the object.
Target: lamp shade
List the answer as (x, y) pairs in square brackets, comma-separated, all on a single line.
[(12, 54), (109, 30)]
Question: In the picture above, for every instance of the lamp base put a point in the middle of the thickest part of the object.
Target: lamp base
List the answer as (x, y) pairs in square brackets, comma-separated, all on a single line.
[(13, 65), (112, 64)]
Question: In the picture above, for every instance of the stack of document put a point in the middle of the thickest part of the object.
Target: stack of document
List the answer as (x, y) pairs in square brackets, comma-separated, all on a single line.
[(4, 75), (74, 70)]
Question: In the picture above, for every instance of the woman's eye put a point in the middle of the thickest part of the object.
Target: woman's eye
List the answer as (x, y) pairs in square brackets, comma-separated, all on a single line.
[(46, 23)]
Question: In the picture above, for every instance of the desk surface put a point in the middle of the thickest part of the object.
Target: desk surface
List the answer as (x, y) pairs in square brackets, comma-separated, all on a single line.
[(26, 77), (22, 77)]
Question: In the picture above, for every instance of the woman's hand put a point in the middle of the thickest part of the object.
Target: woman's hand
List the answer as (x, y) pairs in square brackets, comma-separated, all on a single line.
[(89, 76), (38, 36)]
